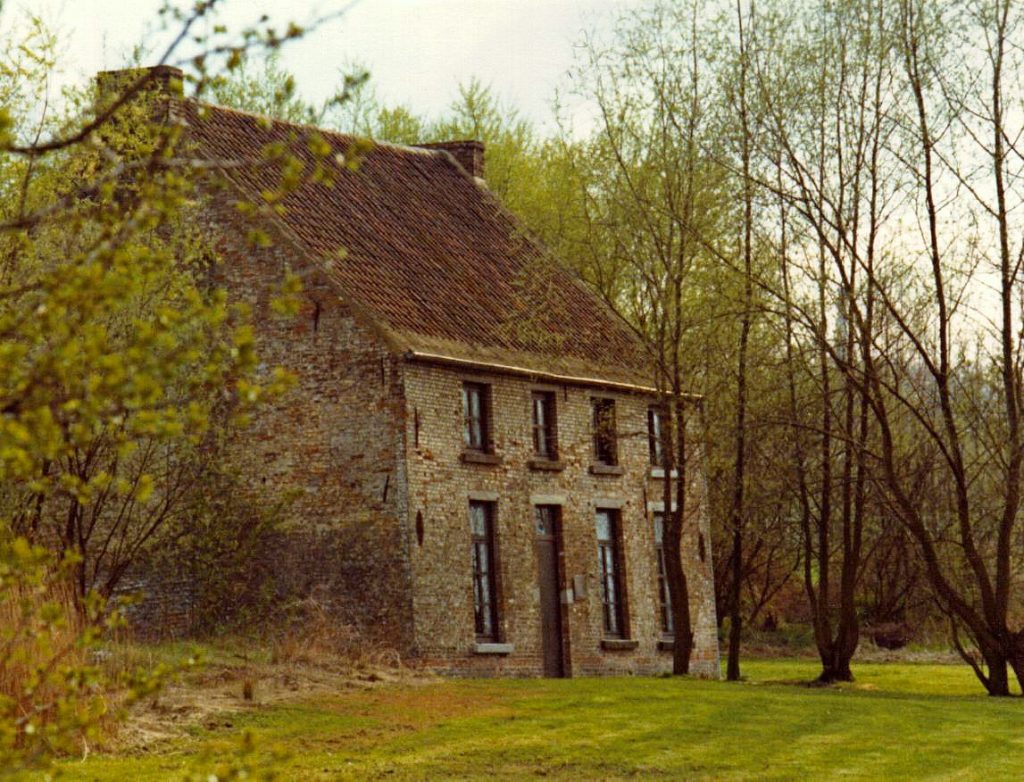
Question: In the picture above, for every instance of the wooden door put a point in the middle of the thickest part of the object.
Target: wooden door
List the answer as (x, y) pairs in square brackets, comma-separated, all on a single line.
[(549, 583)]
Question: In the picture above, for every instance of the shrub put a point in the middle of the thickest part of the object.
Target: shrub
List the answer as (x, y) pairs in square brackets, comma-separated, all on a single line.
[(50, 698), (53, 697)]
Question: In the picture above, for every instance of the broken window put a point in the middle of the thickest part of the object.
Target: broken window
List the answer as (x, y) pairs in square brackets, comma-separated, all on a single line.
[(604, 432), (654, 435)]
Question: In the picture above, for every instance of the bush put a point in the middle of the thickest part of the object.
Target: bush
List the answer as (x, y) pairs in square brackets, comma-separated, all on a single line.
[(54, 698), (50, 698)]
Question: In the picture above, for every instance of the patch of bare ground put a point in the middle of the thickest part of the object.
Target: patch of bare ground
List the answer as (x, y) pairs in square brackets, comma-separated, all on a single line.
[(310, 654), (209, 697)]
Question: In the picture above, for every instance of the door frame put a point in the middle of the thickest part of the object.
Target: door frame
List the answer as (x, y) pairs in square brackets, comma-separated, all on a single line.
[(560, 582)]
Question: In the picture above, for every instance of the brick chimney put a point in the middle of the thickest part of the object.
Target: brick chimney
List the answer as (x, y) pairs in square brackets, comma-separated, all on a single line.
[(163, 82), (468, 153)]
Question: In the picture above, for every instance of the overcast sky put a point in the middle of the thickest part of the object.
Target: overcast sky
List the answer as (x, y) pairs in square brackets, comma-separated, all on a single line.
[(417, 51)]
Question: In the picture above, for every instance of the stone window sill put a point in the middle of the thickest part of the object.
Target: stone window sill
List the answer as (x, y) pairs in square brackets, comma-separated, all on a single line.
[(493, 648), (546, 465), (666, 645), (619, 644), (606, 469), (479, 457)]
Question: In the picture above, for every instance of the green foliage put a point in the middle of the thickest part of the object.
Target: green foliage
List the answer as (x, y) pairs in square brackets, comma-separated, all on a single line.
[(269, 91), (114, 355), (54, 697), (122, 369), (264, 87), (118, 356)]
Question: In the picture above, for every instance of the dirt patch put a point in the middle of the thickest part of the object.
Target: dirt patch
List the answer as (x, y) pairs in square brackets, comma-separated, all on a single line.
[(209, 697)]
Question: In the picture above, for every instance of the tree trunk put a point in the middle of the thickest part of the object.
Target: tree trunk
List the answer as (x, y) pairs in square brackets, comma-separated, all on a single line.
[(674, 498), (739, 471), (998, 683), (735, 616), (680, 598), (835, 668)]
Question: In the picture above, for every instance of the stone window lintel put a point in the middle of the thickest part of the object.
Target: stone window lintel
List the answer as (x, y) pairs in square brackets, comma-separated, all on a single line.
[(659, 472), (493, 648)]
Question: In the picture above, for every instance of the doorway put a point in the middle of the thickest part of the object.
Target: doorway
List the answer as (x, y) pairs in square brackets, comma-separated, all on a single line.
[(546, 521)]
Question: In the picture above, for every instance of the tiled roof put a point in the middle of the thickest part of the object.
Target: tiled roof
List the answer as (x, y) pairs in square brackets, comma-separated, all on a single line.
[(431, 255)]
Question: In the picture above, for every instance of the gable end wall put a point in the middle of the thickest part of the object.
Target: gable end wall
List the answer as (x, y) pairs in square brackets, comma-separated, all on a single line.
[(332, 445)]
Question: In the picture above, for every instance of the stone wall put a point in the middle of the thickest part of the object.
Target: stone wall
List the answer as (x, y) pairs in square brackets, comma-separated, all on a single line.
[(441, 486), (332, 444), (367, 443)]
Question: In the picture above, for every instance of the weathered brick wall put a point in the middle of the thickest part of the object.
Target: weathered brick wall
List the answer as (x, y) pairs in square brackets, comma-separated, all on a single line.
[(441, 486), (332, 444), (161, 605), (366, 441)]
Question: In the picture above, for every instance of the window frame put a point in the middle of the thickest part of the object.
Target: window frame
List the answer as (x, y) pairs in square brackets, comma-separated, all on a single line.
[(655, 421), (664, 597), (485, 607), (605, 436), (482, 419), (548, 429), (611, 570)]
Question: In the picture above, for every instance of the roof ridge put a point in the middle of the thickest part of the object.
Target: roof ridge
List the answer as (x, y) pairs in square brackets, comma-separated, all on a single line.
[(413, 148)]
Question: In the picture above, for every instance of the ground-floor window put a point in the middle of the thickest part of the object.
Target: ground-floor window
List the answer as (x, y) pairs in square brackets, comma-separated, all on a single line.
[(610, 573), (664, 598), (485, 602)]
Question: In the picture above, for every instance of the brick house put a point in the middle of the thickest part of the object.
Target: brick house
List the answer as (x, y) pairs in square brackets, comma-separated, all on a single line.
[(456, 499)]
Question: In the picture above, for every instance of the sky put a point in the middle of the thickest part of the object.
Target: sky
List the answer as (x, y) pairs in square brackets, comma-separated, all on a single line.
[(417, 51)]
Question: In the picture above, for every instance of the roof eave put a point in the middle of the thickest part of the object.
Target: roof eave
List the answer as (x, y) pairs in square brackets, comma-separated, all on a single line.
[(537, 375)]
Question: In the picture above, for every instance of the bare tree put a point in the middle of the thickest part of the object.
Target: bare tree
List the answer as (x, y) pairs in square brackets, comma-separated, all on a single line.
[(648, 191), (824, 139)]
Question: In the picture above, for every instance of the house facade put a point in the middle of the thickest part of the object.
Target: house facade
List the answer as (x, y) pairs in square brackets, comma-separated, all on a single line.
[(468, 438)]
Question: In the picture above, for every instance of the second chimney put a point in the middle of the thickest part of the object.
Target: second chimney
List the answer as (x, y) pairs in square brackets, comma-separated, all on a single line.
[(469, 154)]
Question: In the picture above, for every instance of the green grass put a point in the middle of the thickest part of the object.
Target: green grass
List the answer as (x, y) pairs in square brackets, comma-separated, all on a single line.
[(897, 721)]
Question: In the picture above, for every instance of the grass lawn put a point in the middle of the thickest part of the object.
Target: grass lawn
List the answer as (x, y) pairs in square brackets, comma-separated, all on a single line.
[(897, 721)]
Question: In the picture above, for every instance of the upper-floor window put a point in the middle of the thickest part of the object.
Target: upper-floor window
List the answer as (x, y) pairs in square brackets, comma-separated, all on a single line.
[(654, 435), (545, 441), (605, 450), (485, 600), (664, 598), (476, 418), (609, 563)]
